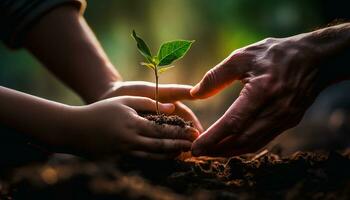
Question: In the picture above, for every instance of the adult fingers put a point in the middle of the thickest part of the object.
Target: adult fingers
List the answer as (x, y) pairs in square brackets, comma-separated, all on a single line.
[(262, 131), (269, 123), (220, 76), (144, 104), (233, 121), (186, 113)]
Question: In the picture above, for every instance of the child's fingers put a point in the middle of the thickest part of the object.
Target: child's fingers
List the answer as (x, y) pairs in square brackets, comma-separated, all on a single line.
[(167, 92), (144, 104), (186, 113), (157, 145), (152, 156), (174, 92), (150, 129)]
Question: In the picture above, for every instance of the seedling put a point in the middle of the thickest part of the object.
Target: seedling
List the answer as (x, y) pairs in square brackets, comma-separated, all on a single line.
[(167, 54)]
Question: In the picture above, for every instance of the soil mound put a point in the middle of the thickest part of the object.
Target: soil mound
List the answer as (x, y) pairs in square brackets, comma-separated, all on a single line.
[(304, 175)]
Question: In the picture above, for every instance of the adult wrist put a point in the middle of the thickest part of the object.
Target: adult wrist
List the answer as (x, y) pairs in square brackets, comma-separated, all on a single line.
[(331, 40), (332, 50)]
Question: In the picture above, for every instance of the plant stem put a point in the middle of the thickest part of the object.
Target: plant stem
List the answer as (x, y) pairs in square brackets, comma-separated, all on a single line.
[(156, 92)]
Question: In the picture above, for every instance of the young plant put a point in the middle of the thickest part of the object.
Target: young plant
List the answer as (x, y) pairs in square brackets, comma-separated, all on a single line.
[(167, 54)]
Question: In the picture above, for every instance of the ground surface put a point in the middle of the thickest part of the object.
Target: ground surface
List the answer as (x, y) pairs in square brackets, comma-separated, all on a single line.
[(259, 176)]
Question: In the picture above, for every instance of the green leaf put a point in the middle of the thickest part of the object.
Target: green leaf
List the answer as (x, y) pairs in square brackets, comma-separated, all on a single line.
[(149, 65), (163, 69), (171, 51), (142, 47)]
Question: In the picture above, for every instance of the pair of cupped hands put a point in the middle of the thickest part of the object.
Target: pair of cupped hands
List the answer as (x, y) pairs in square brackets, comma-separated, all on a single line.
[(279, 77)]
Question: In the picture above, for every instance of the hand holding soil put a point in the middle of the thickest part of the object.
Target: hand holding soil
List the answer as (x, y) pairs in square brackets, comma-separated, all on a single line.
[(122, 131), (281, 77), (168, 93)]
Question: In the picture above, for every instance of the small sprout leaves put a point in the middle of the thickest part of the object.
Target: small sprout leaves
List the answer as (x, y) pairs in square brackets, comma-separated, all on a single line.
[(168, 53)]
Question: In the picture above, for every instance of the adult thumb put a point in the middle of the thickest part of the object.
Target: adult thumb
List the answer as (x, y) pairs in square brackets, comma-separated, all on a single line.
[(213, 81)]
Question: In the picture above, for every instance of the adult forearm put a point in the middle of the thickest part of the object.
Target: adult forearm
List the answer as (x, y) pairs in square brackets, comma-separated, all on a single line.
[(36, 117), (332, 45), (64, 43), (331, 40)]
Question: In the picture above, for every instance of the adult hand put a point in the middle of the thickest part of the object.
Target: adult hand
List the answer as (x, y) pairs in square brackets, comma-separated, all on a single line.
[(168, 93), (279, 77)]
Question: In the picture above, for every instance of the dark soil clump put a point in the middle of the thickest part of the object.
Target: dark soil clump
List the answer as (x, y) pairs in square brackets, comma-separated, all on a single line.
[(304, 175), (165, 119)]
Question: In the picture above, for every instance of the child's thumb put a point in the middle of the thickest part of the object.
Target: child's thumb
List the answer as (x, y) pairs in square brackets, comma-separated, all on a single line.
[(145, 104)]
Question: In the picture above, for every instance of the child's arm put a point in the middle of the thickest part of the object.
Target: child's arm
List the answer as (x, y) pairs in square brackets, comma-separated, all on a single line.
[(107, 127), (32, 115), (65, 44), (63, 41)]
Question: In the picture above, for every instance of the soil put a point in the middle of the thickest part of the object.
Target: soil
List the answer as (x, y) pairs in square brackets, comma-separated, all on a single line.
[(165, 119), (303, 175)]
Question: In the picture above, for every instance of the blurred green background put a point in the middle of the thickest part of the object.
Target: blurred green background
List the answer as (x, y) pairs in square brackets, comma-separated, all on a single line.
[(219, 27)]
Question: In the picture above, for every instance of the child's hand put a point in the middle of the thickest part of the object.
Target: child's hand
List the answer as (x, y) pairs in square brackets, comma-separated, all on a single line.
[(112, 126), (167, 93)]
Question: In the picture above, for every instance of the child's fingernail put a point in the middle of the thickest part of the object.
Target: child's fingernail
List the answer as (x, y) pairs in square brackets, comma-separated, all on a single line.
[(168, 105), (194, 90), (194, 132), (197, 152)]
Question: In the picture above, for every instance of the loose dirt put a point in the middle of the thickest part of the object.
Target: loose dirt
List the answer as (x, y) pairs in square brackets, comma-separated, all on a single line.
[(303, 175), (165, 119)]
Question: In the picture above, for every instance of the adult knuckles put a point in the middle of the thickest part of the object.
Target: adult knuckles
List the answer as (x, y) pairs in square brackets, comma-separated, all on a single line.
[(276, 48), (261, 45), (270, 40), (264, 85), (210, 78), (273, 85)]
